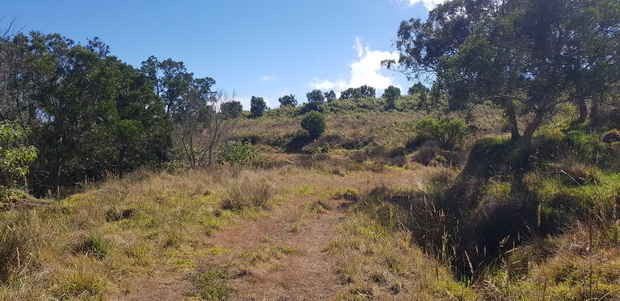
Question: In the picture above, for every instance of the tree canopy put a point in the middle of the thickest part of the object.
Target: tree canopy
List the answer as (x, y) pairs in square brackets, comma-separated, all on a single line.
[(527, 56)]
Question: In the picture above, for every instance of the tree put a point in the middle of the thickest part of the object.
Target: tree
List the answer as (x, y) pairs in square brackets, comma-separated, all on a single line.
[(90, 114), (232, 109), (330, 96), (418, 88), (391, 94), (351, 93), (518, 54), (314, 123), (315, 96), (203, 127), (288, 101), (257, 106), (14, 155), (367, 91), (360, 92)]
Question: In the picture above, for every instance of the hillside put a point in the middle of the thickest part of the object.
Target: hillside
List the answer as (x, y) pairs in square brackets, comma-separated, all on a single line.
[(368, 210)]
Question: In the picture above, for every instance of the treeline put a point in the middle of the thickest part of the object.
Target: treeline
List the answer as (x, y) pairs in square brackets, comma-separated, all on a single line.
[(88, 114)]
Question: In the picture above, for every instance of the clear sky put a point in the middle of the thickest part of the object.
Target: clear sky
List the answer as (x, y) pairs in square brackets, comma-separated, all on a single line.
[(267, 48)]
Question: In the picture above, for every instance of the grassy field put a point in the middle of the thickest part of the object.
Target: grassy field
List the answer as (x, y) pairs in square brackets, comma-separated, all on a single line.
[(384, 213)]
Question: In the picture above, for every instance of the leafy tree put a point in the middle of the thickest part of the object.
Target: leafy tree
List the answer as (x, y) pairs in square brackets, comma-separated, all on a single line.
[(89, 113), (315, 96), (330, 96), (288, 101), (232, 109), (391, 94), (360, 92), (14, 155), (351, 93), (257, 106), (367, 91), (520, 54), (418, 88), (314, 123)]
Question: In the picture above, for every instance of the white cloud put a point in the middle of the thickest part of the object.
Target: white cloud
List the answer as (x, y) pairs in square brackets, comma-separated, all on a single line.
[(366, 70), (267, 78), (429, 4), (327, 84)]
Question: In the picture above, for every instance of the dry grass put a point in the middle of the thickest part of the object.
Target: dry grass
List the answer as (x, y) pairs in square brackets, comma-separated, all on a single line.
[(86, 245), (377, 263)]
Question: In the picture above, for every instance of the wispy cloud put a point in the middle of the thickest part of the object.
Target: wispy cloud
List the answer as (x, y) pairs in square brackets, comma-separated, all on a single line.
[(366, 70), (267, 78), (429, 4)]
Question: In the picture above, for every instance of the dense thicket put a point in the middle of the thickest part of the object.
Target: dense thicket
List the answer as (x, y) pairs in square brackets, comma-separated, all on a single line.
[(89, 114)]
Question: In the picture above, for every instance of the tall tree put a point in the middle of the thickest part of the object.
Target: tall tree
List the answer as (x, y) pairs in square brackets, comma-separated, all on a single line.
[(330, 96), (391, 94), (257, 106), (315, 96), (288, 101), (231, 109), (517, 53)]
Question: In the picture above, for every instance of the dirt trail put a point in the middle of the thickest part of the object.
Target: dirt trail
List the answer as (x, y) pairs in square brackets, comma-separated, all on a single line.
[(280, 256), (304, 272)]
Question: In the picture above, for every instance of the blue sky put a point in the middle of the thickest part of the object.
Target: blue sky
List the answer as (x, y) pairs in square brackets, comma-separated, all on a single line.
[(267, 48)]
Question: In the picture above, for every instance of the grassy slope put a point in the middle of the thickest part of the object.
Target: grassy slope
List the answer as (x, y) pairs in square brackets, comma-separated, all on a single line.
[(89, 244)]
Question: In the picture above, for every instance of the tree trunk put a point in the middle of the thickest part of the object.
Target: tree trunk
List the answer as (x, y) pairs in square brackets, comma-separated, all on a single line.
[(521, 162), (512, 120), (595, 117), (121, 158), (583, 110)]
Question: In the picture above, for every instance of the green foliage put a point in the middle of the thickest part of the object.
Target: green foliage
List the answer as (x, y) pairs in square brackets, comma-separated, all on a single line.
[(391, 94), (288, 101), (14, 157), (314, 123), (361, 92), (257, 106), (232, 109), (418, 88), (236, 153), (330, 96), (315, 96), (448, 133)]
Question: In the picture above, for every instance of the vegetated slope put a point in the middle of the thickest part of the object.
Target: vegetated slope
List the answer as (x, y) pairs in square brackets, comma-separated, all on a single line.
[(156, 235), (222, 232)]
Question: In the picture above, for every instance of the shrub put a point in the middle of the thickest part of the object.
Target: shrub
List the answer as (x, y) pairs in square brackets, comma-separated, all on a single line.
[(449, 133), (245, 195), (236, 153), (314, 123)]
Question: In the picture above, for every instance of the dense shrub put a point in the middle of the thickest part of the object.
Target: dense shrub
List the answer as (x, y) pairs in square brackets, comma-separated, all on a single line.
[(235, 153), (314, 123), (449, 133)]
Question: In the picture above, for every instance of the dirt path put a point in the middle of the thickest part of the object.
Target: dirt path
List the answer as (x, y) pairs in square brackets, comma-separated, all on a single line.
[(280, 256), (283, 257)]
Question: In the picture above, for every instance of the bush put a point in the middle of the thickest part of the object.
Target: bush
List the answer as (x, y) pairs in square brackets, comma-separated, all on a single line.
[(236, 153), (244, 195), (449, 133), (314, 123)]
